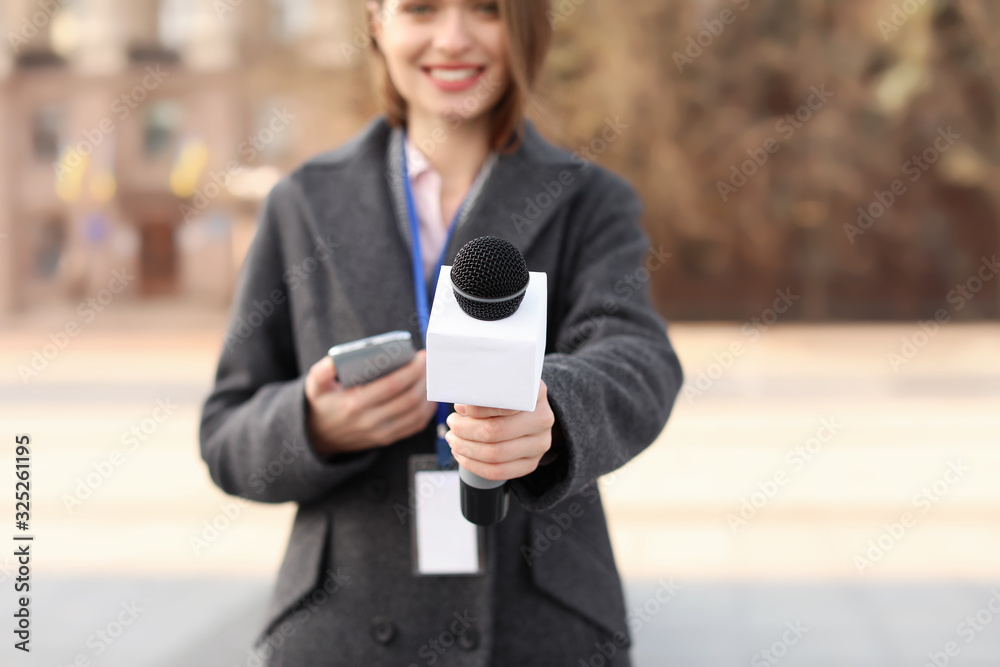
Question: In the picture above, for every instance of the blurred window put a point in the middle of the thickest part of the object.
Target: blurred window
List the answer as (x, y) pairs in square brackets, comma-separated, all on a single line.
[(290, 19), (176, 21), (50, 245), (46, 129), (159, 258), (272, 128), (161, 122)]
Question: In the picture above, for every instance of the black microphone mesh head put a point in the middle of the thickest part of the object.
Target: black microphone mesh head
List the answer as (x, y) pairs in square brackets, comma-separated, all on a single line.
[(489, 268)]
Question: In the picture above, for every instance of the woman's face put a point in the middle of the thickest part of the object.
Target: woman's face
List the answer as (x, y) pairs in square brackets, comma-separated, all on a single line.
[(445, 57)]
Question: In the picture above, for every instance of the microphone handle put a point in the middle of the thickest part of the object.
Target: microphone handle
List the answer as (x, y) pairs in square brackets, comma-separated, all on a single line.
[(484, 501)]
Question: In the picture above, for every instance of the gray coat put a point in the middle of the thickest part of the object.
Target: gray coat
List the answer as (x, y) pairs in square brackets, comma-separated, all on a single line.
[(330, 264)]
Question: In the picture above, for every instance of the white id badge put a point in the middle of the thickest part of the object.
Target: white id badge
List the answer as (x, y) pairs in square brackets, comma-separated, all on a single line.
[(443, 541)]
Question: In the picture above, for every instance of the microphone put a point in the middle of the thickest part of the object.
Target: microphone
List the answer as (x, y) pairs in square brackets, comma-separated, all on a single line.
[(489, 278), (488, 352)]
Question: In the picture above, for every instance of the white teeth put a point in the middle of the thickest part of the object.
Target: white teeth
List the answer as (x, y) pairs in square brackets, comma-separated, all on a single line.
[(453, 74)]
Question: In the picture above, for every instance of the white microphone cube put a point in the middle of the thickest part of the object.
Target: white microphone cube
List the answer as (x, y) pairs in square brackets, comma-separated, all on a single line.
[(493, 364)]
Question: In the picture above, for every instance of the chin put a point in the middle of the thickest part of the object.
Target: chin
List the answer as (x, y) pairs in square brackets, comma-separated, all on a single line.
[(449, 111)]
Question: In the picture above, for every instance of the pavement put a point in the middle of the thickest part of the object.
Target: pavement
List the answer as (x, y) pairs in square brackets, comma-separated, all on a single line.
[(824, 493)]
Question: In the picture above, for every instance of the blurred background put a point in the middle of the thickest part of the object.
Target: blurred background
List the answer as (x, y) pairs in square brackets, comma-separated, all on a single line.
[(825, 175)]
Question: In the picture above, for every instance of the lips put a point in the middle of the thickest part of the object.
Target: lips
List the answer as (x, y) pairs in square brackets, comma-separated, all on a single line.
[(453, 72), (451, 78)]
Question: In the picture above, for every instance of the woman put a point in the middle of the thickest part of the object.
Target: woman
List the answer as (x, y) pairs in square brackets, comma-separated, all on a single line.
[(331, 263)]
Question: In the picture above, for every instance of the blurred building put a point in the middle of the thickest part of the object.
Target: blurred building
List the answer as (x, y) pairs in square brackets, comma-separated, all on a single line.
[(752, 180), (139, 136)]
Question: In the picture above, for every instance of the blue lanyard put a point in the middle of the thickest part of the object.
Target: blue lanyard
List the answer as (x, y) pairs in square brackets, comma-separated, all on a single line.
[(445, 459)]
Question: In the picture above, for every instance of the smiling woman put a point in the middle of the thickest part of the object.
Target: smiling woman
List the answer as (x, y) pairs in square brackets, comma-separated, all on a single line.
[(452, 159)]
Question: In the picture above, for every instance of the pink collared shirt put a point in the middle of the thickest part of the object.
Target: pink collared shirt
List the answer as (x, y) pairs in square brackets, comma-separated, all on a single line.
[(426, 184)]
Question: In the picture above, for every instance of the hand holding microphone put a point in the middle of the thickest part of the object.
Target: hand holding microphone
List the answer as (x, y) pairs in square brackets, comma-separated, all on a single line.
[(498, 444)]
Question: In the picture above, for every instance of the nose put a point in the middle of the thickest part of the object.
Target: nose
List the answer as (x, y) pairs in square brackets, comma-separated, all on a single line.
[(452, 35)]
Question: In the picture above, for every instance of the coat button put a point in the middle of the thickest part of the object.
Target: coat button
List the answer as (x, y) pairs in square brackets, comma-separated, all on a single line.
[(383, 630), (468, 640), (377, 490)]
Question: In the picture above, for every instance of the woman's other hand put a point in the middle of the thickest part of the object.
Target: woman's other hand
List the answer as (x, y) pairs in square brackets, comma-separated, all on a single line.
[(376, 414)]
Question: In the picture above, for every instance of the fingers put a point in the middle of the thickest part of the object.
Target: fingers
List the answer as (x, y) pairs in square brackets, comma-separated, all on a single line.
[(485, 430), (501, 444), (501, 429), (405, 424), (381, 390), (412, 399), (530, 446), (320, 377), (480, 412), (497, 471)]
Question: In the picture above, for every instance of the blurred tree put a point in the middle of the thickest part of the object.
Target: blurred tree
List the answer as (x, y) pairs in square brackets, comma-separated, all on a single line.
[(756, 132)]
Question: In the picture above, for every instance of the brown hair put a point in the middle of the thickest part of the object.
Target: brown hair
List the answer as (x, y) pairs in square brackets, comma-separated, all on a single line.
[(529, 37)]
